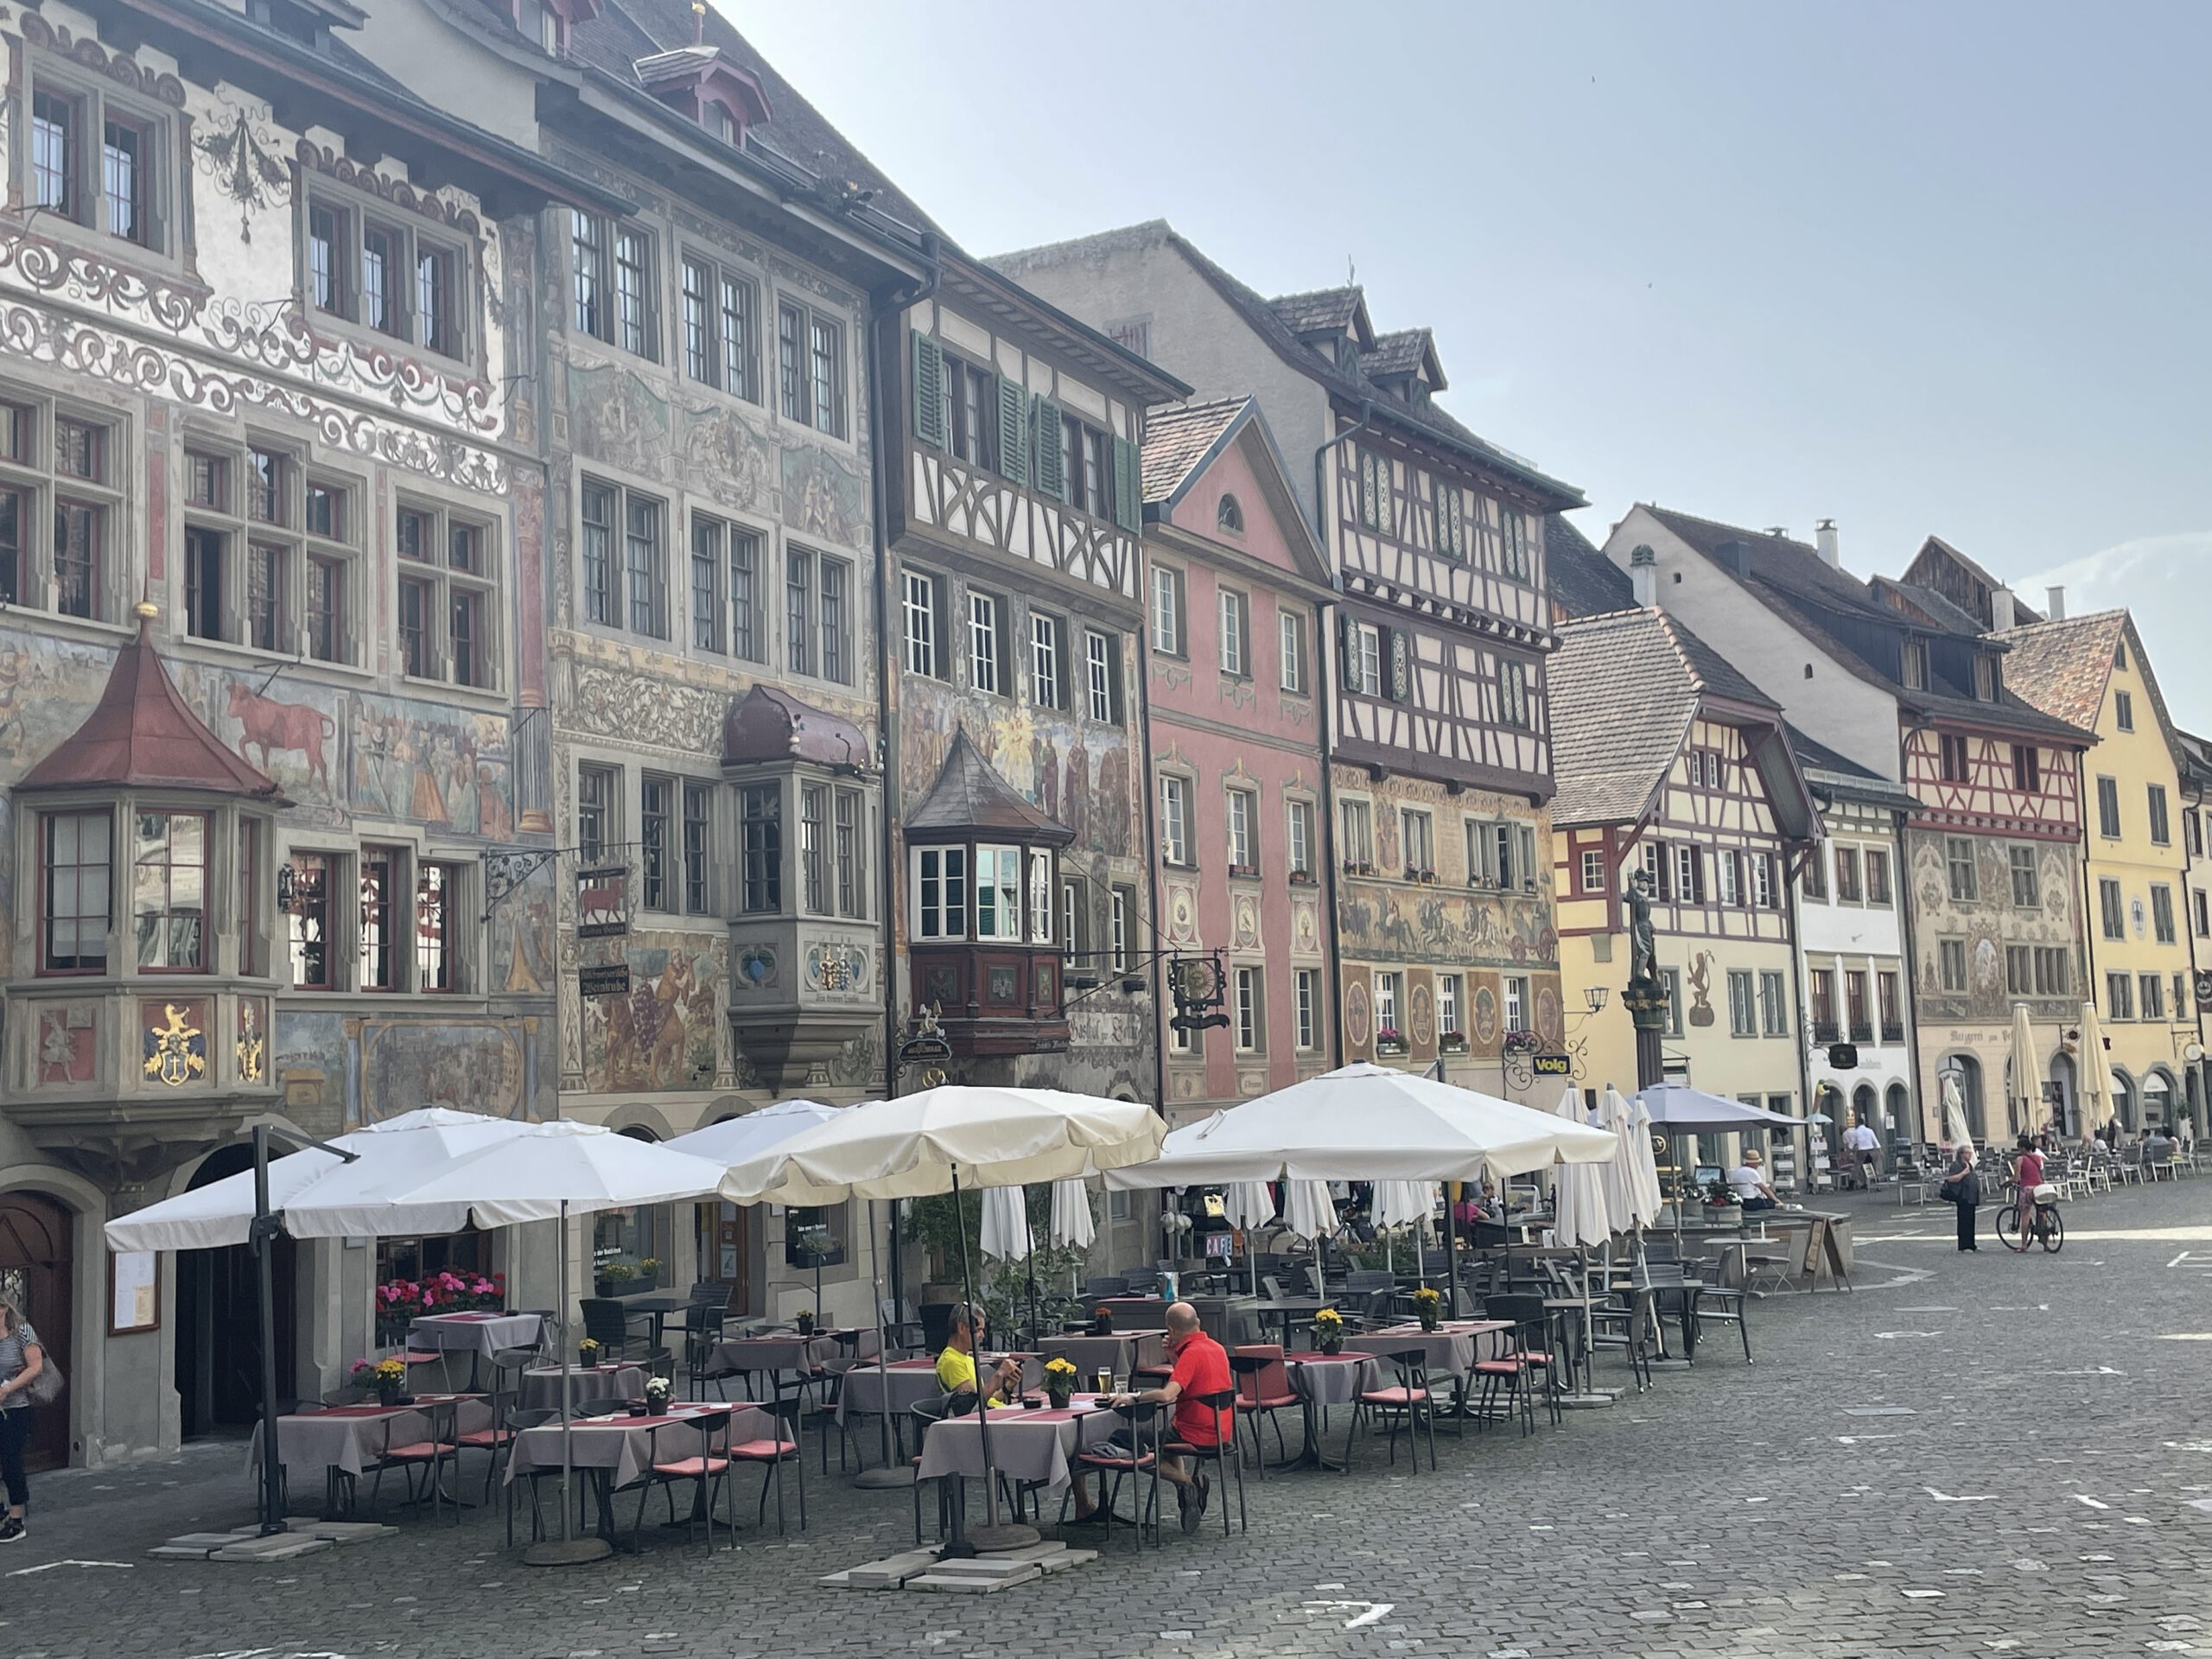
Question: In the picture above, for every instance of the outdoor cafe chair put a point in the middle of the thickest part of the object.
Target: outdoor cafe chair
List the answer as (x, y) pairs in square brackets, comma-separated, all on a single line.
[(440, 1446), (1139, 1459), (1629, 1325), (507, 1367), (1264, 1389), (519, 1420), (1408, 1402), (1724, 1300), (1513, 1373), (925, 1415), (607, 1323), (695, 1459), (780, 1446), (1226, 1453)]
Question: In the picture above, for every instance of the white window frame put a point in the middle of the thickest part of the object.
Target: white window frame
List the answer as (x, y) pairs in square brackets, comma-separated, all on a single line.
[(985, 619), (1047, 685), (1298, 835), (1167, 611), (1239, 807), (1290, 634), (1593, 870), (1235, 633), (1356, 817), (1515, 1002), (1387, 981), (1250, 1022), (1366, 660), (941, 891), (1306, 991), (1448, 1003), (1098, 660), (999, 869), (918, 609), (445, 581), (1175, 820)]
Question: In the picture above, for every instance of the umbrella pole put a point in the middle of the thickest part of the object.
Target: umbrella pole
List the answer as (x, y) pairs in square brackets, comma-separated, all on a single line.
[(571, 1551), (991, 1535), (264, 1228), (1451, 1253), (885, 1479)]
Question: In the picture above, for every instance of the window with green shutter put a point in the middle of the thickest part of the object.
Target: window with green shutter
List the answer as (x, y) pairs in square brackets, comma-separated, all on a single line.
[(1013, 431), (929, 390), (1128, 486), (1048, 463)]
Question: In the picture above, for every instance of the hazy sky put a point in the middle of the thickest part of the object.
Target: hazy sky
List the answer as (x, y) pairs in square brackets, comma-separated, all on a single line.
[(1921, 268)]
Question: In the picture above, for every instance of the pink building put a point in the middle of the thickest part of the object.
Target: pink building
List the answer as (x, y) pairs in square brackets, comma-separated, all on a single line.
[(1235, 584)]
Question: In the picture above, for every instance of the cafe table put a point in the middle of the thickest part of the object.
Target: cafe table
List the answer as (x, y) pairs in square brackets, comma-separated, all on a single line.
[(1122, 1352), (347, 1440), (1320, 1380), (748, 1357), (541, 1385), (479, 1333), (1285, 1309), (612, 1451), (1029, 1448)]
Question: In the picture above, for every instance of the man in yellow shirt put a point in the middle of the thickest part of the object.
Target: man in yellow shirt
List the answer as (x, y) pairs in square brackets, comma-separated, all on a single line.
[(956, 1364)]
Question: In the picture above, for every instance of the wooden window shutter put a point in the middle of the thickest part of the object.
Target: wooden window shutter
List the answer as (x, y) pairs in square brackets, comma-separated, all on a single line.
[(1046, 473), (929, 390), (1128, 486), (1347, 651), (1397, 665), (1013, 432)]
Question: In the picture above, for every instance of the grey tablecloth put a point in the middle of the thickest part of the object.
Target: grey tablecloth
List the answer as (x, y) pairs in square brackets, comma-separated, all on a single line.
[(1026, 1445), (352, 1438), (1450, 1350), (762, 1354), (474, 1333), (623, 1445), (1122, 1352), (1332, 1380), (541, 1385), (912, 1383)]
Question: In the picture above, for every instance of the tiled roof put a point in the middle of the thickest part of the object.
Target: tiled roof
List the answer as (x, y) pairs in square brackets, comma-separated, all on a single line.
[(1789, 565), (1581, 580), (1835, 774), (1177, 437), (140, 736), (626, 30), (1403, 351), (1935, 610), (2062, 668), (1625, 688), (767, 724), (1330, 309), (969, 794), (1935, 551), (1260, 315)]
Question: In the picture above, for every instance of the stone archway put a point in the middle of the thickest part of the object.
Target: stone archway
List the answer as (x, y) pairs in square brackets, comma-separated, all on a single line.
[(1897, 1113), (218, 1335), (37, 1278), (2126, 1100), (2160, 1098), (2066, 1103)]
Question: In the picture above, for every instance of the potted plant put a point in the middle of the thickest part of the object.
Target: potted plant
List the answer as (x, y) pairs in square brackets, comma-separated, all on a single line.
[(1389, 1041), (1101, 1322), (387, 1376), (804, 1320), (659, 1392), (588, 1353), (1059, 1381), (1329, 1331), (615, 1277), (648, 1274), (1521, 1042), (1428, 1307), (1720, 1200), (1452, 1042)]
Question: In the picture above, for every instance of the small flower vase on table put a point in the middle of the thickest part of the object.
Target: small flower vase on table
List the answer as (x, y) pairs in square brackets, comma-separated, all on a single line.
[(1059, 1383), (1329, 1331), (659, 1392), (806, 1324), (387, 1394), (1428, 1308)]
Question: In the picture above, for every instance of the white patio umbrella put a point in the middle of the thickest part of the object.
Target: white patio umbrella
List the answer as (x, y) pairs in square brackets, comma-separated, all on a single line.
[(1957, 1130), (1072, 1227), (1578, 1210), (936, 1140), (387, 1155), (1249, 1206), (1646, 1203), (548, 1172), (1404, 1205), (1006, 1224), (1308, 1211), (2027, 1073), (2093, 1073)]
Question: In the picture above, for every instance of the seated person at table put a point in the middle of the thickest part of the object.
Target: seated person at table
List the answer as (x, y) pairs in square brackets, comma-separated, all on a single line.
[(956, 1364), (1750, 1181), (1201, 1367)]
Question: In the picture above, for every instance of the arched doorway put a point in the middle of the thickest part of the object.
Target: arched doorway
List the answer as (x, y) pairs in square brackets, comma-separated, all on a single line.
[(2127, 1101), (219, 1320), (2158, 1099), (35, 1256), (2065, 1100), (1898, 1115), (1960, 1080), (1862, 1106)]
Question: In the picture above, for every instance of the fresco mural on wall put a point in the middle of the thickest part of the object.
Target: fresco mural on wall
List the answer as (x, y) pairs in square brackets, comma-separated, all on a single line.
[(433, 765), (520, 962), (313, 1070), (410, 1064), (666, 1034), (823, 497), (1986, 925)]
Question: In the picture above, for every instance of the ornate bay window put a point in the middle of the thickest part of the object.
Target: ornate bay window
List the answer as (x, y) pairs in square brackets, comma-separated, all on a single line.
[(142, 970), (985, 931), (803, 929)]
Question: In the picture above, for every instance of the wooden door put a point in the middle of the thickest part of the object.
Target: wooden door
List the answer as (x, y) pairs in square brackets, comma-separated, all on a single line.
[(726, 1252), (36, 1275)]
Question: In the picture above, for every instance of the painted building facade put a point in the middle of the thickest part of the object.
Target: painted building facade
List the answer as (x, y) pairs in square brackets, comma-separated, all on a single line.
[(1675, 769), (1439, 740), (1897, 679), (257, 379), (1234, 708)]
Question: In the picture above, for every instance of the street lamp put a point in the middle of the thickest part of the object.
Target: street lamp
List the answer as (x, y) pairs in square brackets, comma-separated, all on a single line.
[(1593, 996)]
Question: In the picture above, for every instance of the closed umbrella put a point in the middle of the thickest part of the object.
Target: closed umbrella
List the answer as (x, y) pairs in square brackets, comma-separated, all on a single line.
[(1072, 1227), (2094, 1073), (1308, 1211), (548, 1172), (1407, 1204), (936, 1140), (2027, 1071), (1249, 1206), (1957, 1132), (1646, 1203), (1579, 1215), (1006, 1224)]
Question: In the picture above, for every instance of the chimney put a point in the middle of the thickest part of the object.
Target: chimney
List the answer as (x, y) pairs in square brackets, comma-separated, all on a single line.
[(2001, 618), (1824, 537), (1643, 576), (1737, 556), (2054, 604)]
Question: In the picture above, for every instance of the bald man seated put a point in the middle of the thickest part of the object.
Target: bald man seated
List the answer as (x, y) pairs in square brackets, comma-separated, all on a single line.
[(1201, 1368)]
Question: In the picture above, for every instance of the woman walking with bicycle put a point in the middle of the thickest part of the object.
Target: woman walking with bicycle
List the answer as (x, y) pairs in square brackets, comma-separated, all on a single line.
[(2027, 1175)]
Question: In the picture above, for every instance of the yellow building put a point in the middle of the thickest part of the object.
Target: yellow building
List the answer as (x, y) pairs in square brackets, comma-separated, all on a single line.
[(2137, 905), (1670, 763)]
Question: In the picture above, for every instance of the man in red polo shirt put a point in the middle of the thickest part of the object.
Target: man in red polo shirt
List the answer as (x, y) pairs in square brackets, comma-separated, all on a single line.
[(1201, 1367)]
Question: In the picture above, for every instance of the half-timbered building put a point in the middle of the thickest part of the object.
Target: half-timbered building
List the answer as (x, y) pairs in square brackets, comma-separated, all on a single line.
[(1439, 752), (1901, 682), (1234, 705), (1672, 766), (1023, 911)]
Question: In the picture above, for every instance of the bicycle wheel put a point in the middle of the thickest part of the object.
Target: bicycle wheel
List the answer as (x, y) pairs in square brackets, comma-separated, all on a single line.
[(2008, 1229), (2054, 1230)]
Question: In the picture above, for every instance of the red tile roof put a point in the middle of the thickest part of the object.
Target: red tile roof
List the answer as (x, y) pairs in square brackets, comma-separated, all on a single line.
[(141, 736)]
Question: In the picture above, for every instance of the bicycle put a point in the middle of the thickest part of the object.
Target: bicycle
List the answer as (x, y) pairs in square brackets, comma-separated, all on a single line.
[(2046, 1228)]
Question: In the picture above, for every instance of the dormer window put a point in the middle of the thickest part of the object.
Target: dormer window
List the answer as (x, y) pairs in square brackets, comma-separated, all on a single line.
[(1913, 667), (1229, 515), (1984, 678), (720, 95), (723, 124)]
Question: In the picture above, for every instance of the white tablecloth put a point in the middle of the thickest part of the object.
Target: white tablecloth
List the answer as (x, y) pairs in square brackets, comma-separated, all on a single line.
[(624, 1446), (474, 1333), (1026, 1445), (1450, 1351)]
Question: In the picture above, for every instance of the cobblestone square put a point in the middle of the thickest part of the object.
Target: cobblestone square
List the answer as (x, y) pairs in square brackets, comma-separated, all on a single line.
[(2042, 1497)]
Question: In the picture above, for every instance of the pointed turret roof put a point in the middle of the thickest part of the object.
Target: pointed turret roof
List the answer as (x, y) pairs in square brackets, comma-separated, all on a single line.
[(141, 736), (969, 796)]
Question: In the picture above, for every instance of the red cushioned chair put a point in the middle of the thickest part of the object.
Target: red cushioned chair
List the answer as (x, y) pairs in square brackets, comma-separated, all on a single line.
[(1143, 1459), (1263, 1388), (1523, 1363), (1407, 1402), (695, 1452), (772, 1453), (1226, 1453), (439, 1445)]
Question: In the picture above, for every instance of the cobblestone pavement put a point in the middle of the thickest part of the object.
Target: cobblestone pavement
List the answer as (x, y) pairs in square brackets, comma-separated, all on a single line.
[(2039, 1499)]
